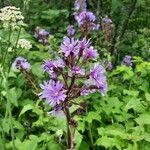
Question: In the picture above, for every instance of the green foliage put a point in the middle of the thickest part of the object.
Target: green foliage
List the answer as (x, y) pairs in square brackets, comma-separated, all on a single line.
[(118, 121)]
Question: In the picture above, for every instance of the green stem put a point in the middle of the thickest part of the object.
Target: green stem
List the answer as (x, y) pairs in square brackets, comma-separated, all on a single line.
[(5, 55), (8, 107), (90, 134), (18, 38)]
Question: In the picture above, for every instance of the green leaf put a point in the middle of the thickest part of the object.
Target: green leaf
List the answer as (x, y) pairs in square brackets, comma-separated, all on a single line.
[(26, 108), (147, 95), (143, 119), (14, 94), (92, 116), (77, 139)]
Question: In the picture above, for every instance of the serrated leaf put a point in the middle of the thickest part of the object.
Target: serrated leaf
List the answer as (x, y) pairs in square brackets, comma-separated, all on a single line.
[(92, 116)]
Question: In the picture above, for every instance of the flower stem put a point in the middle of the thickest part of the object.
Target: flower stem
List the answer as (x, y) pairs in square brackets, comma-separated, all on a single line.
[(70, 144), (5, 54)]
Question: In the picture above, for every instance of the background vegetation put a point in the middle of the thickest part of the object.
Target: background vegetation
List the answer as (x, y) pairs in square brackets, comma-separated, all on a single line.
[(118, 121)]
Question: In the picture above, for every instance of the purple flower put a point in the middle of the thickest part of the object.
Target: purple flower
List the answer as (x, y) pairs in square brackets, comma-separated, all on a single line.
[(96, 71), (106, 20), (41, 35), (78, 71), (127, 61), (21, 64), (52, 92), (84, 44), (109, 66), (49, 65), (69, 46), (89, 53), (87, 92), (86, 20), (56, 112), (97, 78), (70, 30), (80, 5)]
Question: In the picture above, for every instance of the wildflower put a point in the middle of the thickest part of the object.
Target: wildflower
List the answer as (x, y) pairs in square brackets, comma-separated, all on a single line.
[(56, 112), (11, 16), (52, 92), (41, 35), (69, 47), (86, 21), (80, 5), (106, 20), (84, 44), (89, 53), (21, 64), (70, 30), (49, 65), (24, 44), (96, 71), (97, 78), (78, 71), (109, 66), (127, 61)]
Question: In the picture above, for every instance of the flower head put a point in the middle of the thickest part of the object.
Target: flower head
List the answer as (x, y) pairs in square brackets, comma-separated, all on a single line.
[(77, 71), (21, 64), (69, 46), (86, 20), (80, 5), (11, 16), (84, 44), (90, 53), (25, 44), (97, 78), (127, 61), (109, 66), (52, 92), (70, 30), (41, 35), (106, 20), (49, 65)]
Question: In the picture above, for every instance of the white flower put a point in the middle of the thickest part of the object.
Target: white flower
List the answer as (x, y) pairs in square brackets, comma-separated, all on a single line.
[(25, 44), (11, 16)]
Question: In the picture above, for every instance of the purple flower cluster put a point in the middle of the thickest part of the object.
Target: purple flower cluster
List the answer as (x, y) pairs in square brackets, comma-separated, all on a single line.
[(86, 21), (73, 47), (70, 76), (69, 46), (50, 66), (127, 61), (21, 64), (41, 35)]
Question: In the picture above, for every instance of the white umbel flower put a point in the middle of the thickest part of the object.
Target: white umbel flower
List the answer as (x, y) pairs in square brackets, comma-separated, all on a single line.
[(24, 44), (11, 16)]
